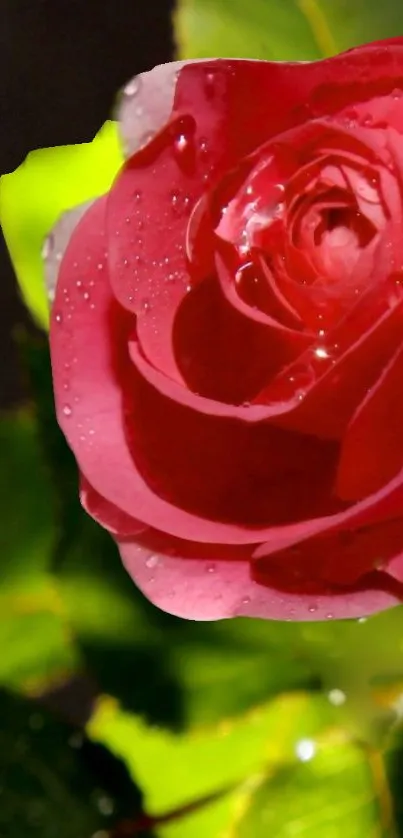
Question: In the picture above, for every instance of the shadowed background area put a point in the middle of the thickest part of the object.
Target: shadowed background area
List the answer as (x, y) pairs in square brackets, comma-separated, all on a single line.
[(61, 64)]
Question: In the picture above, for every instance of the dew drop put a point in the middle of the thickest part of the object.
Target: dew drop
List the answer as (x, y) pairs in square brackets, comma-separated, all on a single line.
[(305, 749), (153, 561), (145, 138), (321, 352), (100, 266), (210, 84), (58, 318), (246, 600), (47, 247), (145, 304), (133, 86), (183, 145), (67, 411), (105, 805), (337, 697), (137, 196), (181, 142), (210, 568), (312, 609), (368, 121)]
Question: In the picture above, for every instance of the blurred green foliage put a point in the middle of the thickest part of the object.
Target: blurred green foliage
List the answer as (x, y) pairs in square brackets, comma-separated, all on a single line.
[(49, 182), (117, 719), (282, 30)]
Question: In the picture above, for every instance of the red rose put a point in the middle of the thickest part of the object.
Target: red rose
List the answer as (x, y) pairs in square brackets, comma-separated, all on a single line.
[(227, 337)]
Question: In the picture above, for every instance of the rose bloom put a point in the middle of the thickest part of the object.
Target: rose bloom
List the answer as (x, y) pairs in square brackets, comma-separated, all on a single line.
[(227, 337)]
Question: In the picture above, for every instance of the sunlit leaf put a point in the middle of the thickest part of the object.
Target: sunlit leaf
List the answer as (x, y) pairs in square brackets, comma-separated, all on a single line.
[(50, 181), (208, 760), (282, 29), (341, 789)]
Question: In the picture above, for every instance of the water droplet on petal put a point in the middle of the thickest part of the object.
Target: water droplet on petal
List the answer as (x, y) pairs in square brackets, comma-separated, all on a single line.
[(133, 86), (183, 147), (211, 568), (312, 608), (47, 246), (321, 352), (210, 84), (67, 411), (59, 317), (153, 561), (145, 138)]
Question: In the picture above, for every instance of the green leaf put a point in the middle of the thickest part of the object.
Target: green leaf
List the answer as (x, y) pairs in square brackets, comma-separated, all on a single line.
[(282, 29), (341, 790), (53, 783), (49, 182), (208, 760)]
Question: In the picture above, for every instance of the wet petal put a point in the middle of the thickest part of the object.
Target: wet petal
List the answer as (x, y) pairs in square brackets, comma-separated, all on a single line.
[(56, 244), (198, 585)]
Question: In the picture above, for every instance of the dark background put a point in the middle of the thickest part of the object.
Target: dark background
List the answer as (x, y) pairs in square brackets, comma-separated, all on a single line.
[(61, 65)]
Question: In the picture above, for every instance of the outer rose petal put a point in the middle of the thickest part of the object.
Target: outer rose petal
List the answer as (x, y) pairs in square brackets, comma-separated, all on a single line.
[(213, 589), (88, 393), (109, 516), (56, 244), (147, 104)]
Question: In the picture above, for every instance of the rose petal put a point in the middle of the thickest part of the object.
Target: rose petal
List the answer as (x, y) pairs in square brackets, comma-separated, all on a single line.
[(223, 353), (198, 588), (335, 375), (56, 243), (372, 449), (146, 104), (107, 514), (386, 504), (335, 558), (219, 468), (90, 360)]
